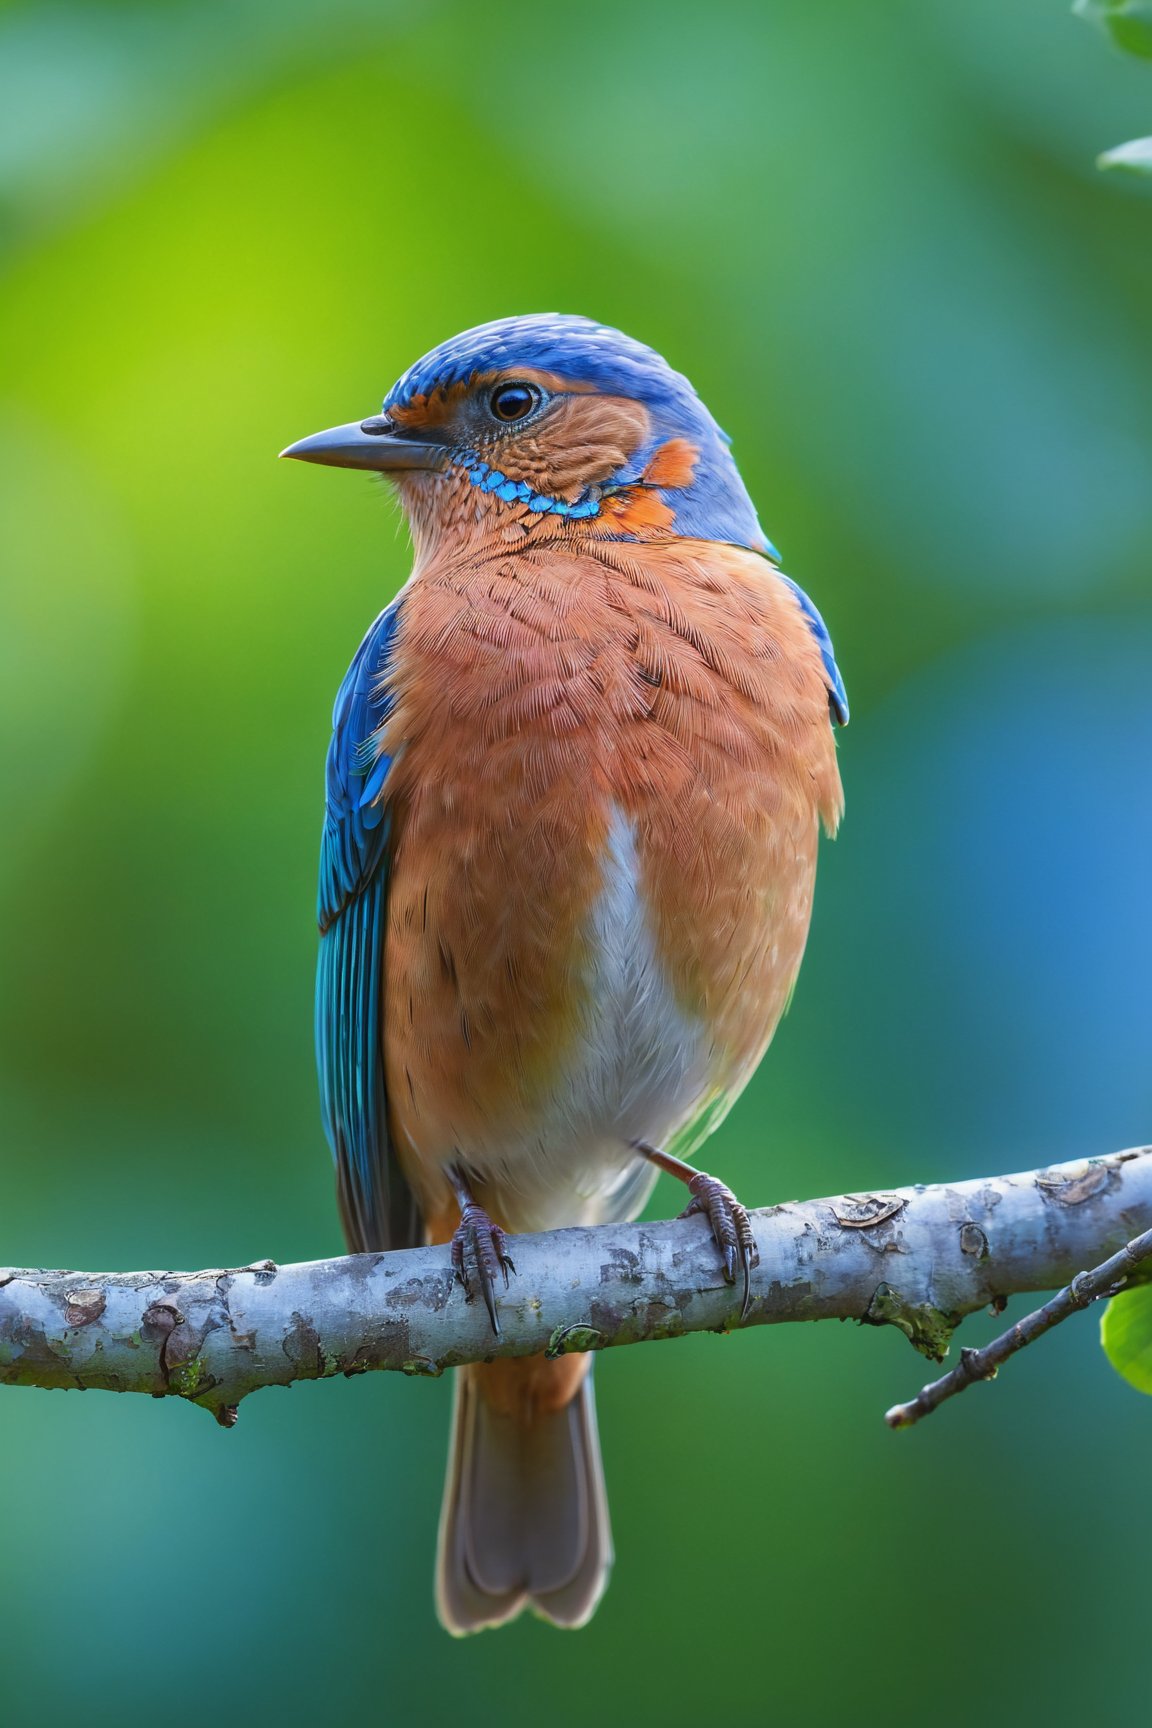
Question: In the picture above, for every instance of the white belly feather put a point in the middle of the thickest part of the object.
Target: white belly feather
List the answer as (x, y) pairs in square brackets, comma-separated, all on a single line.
[(639, 1068)]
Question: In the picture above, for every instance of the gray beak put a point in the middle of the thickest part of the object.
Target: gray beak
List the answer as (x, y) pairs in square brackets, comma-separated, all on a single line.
[(367, 444)]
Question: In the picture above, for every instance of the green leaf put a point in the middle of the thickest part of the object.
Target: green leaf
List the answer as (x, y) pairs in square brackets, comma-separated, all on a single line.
[(1128, 22), (1126, 1334), (1133, 158)]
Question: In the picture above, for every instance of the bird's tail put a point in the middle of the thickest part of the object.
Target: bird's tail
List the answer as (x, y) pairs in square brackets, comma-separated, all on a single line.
[(525, 1517)]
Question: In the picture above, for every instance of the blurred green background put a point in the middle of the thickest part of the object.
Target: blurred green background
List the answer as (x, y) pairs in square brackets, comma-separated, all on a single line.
[(874, 238)]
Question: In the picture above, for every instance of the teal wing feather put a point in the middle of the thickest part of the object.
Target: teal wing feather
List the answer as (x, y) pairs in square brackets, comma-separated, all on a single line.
[(376, 1204)]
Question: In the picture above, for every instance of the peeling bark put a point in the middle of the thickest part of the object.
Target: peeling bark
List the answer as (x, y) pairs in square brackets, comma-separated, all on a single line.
[(916, 1258)]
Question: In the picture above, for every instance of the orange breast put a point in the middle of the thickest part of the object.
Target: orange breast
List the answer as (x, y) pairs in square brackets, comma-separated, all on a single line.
[(539, 699)]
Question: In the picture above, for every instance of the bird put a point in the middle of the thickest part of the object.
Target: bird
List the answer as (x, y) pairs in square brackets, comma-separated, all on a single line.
[(574, 792)]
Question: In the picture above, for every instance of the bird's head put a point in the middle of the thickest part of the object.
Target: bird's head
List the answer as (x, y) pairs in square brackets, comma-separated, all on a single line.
[(549, 425)]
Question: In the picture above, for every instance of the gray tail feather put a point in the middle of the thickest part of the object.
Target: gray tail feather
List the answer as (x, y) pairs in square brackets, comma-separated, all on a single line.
[(525, 1516)]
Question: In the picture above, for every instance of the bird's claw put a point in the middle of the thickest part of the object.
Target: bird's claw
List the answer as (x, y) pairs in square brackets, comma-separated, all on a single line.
[(480, 1248), (731, 1230)]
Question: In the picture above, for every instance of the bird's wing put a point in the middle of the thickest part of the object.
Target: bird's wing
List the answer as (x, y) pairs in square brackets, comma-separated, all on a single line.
[(376, 1204), (837, 695)]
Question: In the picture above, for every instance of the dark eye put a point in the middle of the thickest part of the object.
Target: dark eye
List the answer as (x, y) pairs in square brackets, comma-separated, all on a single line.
[(513, 401)]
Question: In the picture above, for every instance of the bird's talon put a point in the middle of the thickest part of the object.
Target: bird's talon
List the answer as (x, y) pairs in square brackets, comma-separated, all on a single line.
[(747, 1261), (481, 1243), (731, 1230)]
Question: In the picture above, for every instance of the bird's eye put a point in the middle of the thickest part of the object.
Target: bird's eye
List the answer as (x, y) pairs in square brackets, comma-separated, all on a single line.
[(513, 401)]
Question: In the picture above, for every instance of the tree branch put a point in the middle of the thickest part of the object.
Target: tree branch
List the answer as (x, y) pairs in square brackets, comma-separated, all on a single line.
[(1085, 1288), (918, 1258)]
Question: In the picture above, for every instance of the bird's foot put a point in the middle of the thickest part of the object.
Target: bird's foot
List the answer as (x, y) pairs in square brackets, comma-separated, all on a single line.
[(731, 1225), (731, 1229), (480, 1253)]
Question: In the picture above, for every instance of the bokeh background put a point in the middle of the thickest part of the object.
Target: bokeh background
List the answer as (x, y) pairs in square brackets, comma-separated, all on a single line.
[(874, 237)]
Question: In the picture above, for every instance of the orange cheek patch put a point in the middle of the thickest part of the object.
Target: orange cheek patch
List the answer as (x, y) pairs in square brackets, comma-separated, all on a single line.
[(636, 509), (673, 464)]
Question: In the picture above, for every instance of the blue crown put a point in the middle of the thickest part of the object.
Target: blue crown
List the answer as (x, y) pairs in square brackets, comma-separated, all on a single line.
[(715, 506), (571, 346)]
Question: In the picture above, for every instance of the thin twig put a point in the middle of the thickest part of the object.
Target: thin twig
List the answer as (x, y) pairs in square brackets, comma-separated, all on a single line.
[(1085, 1288)]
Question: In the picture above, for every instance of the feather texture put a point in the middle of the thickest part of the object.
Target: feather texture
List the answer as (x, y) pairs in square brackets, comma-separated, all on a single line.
[(525, 1518), (614, 765), (376, 1204)]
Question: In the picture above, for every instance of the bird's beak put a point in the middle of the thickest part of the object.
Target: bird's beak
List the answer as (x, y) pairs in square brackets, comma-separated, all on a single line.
[(367, 444)]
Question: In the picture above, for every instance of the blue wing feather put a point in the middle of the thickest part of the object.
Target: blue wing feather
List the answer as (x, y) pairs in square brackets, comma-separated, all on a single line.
[(376, 1204), (837, 695)]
